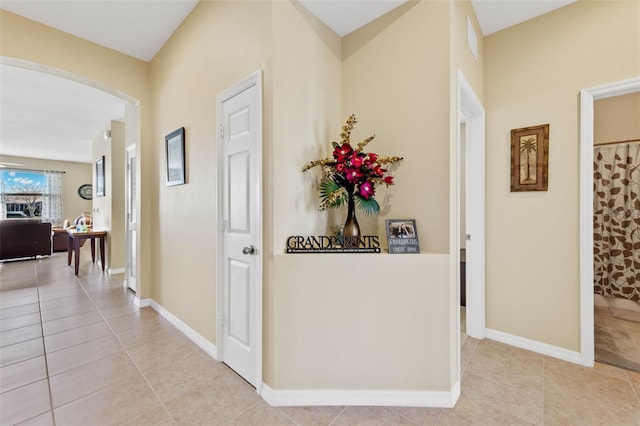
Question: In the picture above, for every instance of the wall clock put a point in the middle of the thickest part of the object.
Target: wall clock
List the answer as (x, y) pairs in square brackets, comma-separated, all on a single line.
[(86, 191)]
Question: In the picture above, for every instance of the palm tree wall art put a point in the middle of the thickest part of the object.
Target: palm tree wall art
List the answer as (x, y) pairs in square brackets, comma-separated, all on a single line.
[(530, 158)]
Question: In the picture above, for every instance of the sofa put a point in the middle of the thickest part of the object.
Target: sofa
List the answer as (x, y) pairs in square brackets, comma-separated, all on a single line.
[(24, 238), (60, 239)]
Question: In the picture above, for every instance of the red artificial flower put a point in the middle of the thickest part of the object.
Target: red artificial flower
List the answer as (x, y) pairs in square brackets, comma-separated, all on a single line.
[(340, 167), (372, 158), (388, 180), (342, 152), (353, 174), (366, 190), (356, 160), (379, 171)]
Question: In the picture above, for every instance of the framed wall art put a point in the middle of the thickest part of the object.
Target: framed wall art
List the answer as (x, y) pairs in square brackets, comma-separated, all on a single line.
[(174, 145), (530, 158), (100, 189)]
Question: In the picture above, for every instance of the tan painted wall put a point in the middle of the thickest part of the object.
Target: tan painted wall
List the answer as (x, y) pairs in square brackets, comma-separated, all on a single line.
[(27, 40), (306, 116), (109, 211), (407, 98), (616, 118), (76, 174), (102, 204), (381, 327), (118, 168), (396, 80), (533, 74), (461, 56), (200, 60)]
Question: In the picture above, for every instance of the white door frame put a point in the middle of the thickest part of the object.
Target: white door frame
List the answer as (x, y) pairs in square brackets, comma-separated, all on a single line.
[(254, 79), (587, 98), (128, 253), (471, 111)]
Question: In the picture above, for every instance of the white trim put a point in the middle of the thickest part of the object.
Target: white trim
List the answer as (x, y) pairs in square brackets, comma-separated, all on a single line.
[(534, 346), (47, 69), (255, 79), (114, 271), (193, 335), (141, 303), (130, 282), (587, 97), (360, 397), (470, 107)]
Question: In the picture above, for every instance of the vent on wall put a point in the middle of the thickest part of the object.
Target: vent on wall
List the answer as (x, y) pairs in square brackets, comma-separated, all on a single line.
[(472, 39)]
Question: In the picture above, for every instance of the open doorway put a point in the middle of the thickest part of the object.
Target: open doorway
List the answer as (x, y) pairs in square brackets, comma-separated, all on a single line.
[(131, 105), (587, 98), (616, 231)]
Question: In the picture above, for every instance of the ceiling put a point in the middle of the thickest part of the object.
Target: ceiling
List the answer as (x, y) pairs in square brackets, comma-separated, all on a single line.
[(51, 117), (47, 116)]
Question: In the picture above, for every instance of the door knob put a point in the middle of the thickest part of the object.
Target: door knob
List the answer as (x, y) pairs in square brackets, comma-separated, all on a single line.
[(249, 250)]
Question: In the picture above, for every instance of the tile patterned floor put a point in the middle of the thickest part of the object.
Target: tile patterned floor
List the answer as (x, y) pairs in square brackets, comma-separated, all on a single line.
[(617, 337), (76, 351)]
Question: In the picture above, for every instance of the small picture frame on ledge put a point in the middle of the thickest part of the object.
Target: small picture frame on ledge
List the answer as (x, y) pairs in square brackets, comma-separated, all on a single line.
[(402, 236), (100, 190), (174, 146)]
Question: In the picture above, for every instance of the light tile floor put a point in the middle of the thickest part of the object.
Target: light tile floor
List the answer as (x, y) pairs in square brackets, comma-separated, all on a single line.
[(76, 351), (617, 337)]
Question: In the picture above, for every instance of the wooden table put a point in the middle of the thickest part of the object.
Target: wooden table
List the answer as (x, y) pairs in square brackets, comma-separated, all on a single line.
[(76, 237)]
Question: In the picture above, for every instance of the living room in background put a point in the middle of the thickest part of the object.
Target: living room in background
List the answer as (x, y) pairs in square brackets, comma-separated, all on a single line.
[(31, 193)]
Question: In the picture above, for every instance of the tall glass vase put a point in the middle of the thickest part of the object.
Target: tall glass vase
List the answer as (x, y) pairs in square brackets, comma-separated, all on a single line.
[(351, 227)]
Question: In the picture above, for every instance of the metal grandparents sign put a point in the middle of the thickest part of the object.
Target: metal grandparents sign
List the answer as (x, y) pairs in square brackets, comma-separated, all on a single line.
[(333, 244)]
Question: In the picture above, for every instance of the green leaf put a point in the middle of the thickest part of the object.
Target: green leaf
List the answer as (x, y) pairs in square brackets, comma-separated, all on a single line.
[(332, 194), (369, 207)]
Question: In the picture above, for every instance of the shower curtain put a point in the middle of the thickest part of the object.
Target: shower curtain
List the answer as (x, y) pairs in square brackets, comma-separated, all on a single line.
[(616, 221)]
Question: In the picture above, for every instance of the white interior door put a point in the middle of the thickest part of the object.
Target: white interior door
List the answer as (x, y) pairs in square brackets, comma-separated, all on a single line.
[(472, 110), (131, 196), (240, 283)]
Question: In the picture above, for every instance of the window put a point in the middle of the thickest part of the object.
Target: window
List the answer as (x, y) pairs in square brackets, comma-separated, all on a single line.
[(28, 194)]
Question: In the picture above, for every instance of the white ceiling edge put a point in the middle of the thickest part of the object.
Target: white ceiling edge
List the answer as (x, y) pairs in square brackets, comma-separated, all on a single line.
[(346, 16), (496, 15), (137, 28), (43, 115)]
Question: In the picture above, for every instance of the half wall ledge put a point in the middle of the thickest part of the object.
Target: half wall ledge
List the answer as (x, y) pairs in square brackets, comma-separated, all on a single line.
[(363, 323)]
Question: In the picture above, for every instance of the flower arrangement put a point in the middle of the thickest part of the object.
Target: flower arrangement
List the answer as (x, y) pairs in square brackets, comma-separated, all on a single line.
[(351, 174)]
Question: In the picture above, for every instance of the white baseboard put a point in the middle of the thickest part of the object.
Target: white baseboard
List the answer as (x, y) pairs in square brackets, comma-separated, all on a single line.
[(194, 336), (281, 398), (335, 397), (114, 271), (535, 346), (142, 303)]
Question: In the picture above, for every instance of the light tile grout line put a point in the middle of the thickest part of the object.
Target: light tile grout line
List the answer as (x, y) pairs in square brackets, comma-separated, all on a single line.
[(332, 422), (129, 355), (397, 411), (77, 281), (80, 283), (288, 416), (544, 368), (633, 388), (44, 345)]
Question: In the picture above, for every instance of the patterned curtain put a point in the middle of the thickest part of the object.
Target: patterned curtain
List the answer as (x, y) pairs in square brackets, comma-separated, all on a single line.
[(616, 221), (52, 199)]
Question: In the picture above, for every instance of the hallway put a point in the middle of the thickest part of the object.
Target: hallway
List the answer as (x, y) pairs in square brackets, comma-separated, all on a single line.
[(77, 351)]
